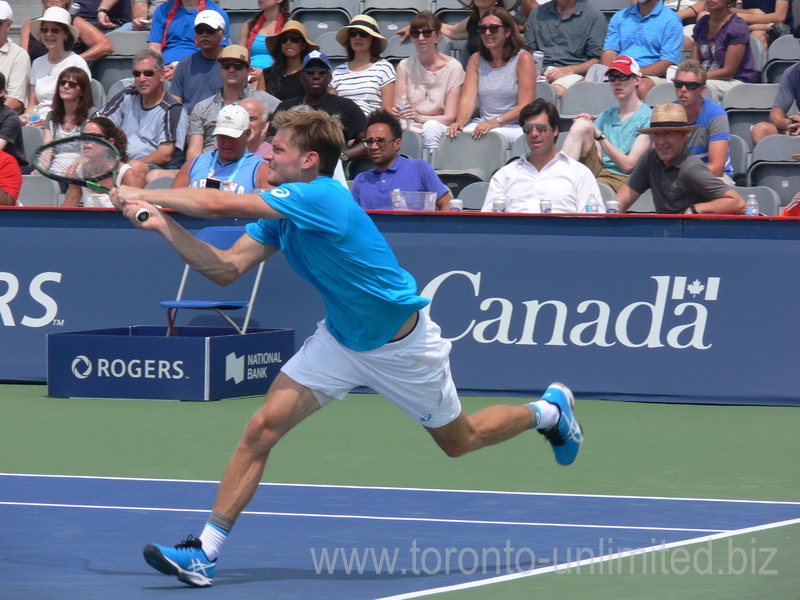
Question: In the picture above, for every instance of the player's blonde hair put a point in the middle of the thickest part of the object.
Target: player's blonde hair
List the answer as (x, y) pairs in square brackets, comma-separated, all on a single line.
[(315, 131)]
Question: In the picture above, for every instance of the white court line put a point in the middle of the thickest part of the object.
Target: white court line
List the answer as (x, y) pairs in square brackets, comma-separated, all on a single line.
[(413, 489), (366, 517), (589, 561)]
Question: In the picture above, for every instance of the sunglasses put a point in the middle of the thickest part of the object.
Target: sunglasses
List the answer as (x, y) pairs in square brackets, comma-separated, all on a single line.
[(619, 77), (354, 33), (689, 85), (66, 82), (494, 28), (540, 129), (295, 38), (205, 29), (53, 30), (415, 33), (146, 73), (238, 65), (380, 141), (316, 72)]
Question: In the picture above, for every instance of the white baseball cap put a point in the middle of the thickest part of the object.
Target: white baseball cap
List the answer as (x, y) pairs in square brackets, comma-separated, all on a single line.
[(211, 18), (232, 120), (6, 14)]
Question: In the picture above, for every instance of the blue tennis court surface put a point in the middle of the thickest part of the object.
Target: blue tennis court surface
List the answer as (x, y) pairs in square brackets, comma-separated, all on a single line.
[(81, 537)]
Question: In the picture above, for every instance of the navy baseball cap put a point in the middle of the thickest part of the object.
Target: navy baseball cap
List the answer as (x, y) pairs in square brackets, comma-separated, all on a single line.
[(317, 55)]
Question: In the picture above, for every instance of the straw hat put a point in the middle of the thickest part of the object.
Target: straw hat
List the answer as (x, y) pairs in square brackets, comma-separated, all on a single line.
[(668, 117), (364, 23), (54, 14), (289, 26), (234, 52)]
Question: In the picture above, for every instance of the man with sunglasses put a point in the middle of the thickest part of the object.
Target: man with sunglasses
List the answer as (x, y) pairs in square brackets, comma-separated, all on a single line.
[(198, 76), (373, 189), (544, 173), (711, 140), (234, 65)]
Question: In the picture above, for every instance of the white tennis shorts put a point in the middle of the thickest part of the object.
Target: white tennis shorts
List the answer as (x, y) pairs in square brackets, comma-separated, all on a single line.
[(412, 373)]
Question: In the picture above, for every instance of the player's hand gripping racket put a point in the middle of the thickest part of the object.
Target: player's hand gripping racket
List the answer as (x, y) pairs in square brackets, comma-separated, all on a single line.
[(82, 160)]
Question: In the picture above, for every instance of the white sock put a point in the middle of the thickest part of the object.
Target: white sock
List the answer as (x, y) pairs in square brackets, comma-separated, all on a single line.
[(213, 538), (549, 413)]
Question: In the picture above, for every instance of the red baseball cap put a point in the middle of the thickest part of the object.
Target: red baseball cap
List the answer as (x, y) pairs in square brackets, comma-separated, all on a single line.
[(625, 65)]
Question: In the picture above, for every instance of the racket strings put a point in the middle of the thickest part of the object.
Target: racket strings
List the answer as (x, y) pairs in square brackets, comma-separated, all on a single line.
[(81, 159)]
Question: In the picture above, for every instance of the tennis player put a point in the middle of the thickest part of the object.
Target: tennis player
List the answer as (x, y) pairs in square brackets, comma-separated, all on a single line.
[(375, 333)]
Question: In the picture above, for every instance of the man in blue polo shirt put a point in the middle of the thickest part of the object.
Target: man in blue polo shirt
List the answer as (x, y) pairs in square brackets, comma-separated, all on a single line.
[(373, 189), (651, 34)]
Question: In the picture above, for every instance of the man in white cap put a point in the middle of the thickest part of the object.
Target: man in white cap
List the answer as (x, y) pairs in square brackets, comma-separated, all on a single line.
[(15, 63), (679, 180), (198, 76), (230, 167)]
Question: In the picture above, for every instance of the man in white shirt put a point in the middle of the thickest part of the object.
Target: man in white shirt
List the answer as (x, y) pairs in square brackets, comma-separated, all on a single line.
[(14, 63), (544, 173)]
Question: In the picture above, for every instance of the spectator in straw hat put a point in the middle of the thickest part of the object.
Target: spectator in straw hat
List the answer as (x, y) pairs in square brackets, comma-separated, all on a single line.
[(679, 180)]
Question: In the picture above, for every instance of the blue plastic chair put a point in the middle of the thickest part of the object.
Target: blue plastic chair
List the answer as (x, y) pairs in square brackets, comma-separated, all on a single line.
[(223, 238)]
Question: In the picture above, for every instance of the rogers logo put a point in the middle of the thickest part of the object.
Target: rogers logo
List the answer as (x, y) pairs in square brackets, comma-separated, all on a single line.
[(83, 361)]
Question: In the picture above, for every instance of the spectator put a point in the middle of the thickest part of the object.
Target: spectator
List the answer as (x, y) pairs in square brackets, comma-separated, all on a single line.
[(288, 50), (679, 180), (788, 94), (365, 78), (104, 129), (711, 140), (609, 144), (544, 173), (500, 78), (431, 82), (233, 63), (58, 35), (153, 120), (198, 75), (230, 167), (72, 104), (570, 34), (259, 123), (14, 63), (10, 179), (373, 189), (172, 30), (722, 45), (316, 78), (141, 14), (90, 43), (270, 20), (105, 14), (11, 130), (649, 33), (767, 19)]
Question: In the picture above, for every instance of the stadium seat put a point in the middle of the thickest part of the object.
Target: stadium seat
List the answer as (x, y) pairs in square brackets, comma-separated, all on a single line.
[(119, 86), (110, 69), (782, 54), (740, 156), (474, 195), (223, 238), (127, 43), (585, 97), (319, 21), (37, 190), (606, 192), (98, 94), (412, 145), (391, 20), (769, 202), (748, 104), (331, 48), (644, 204), (397, 49), (545, 91), (160, 183), (759, 54), (772, 166), (32, 139), (463, 160), (609, 7)]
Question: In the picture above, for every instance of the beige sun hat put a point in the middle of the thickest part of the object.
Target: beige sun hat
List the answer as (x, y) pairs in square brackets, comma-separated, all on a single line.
[(668, 117), (364, 23), (54, 14), (288, 27)]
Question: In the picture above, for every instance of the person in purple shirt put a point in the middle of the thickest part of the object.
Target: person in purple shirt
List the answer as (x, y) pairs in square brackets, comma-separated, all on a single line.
[(372, 189)]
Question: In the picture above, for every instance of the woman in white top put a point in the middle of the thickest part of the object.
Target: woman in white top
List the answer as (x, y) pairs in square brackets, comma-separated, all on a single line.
[(72, 105), (56, 32), (103, 128), (501, 75), (429, 83), (365, 78)]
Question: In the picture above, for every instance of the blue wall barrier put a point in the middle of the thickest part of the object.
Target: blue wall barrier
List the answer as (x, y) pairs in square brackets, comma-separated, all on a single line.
[(630, 307)]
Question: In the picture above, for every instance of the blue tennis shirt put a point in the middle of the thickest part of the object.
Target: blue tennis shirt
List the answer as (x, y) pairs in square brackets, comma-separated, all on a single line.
[(332, 243)]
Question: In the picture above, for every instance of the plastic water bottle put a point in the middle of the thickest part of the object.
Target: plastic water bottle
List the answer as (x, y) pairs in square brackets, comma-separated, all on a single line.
[(612, 206), (592, 205), (403, 105), (499, 204), (545, 206), (751, 206), (398, 200), (74, 8)]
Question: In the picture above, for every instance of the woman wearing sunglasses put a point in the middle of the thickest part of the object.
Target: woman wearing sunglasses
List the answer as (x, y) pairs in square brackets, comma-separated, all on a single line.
[(104, 129), (72, 104), (722, 45), (430, 80), (500, 78), (365, 78), (56, 32), (270, 20), (288, 48)]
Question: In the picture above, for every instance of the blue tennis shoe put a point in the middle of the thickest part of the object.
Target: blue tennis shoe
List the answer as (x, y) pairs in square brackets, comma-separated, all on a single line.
[(567, 436), (186, 561)]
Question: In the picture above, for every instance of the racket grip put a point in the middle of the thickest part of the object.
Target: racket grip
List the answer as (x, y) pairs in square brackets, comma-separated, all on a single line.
[(142, 215)]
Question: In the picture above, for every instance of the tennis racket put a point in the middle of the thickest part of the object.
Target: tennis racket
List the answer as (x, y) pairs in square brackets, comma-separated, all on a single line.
[(81, 160)]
